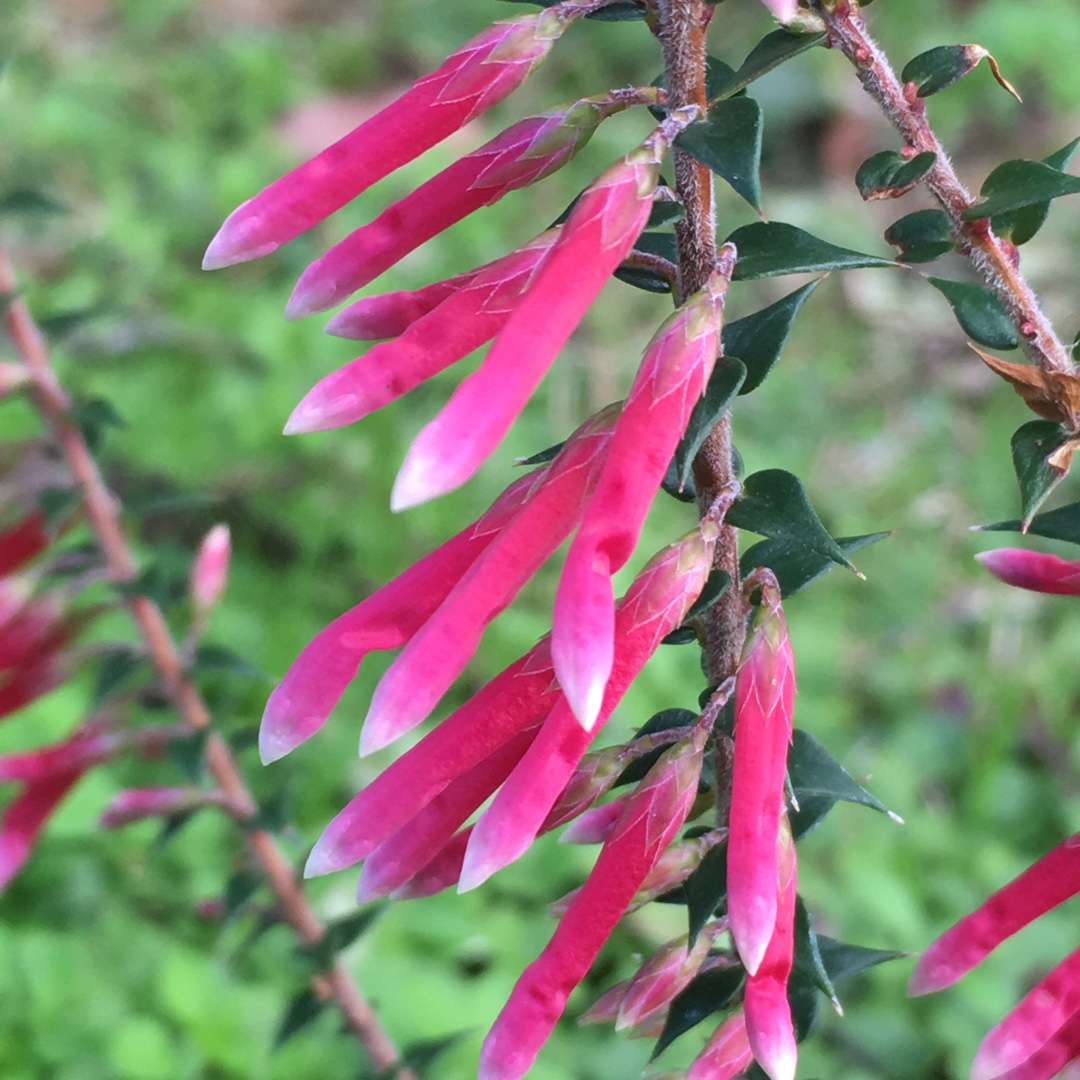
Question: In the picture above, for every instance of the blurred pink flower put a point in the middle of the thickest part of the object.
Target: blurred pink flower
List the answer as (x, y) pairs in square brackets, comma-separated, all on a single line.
[(727, 1054), (210, 572), (1033, 570)]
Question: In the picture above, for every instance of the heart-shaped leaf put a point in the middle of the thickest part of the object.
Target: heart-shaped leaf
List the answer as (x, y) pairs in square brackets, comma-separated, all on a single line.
[(1019, 183), (943, 65), (1032, 445), (921, 236), (889, 175), (724, 383), (979, 312), (774, 503), (758, 339), (796, 566), (728, 141), (771, 248), (1021, 225)]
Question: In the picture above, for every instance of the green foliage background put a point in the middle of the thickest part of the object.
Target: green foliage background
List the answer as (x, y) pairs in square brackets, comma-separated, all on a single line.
[(951, 695)]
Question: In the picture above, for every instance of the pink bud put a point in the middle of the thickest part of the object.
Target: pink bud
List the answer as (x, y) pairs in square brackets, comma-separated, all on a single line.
[(387, 315), (76, 753), (782, 10), (650, 823), (12, 377), (764, 705), (671, 380), (1051, 1059), (654, 605), (595, 825), (443, 646), (605, 1008), (23, 541), (462, 322), (727, 1054), (1033, 570), (477, 76), (441, 873), (765, 1002), (597, 236), (1049, 882), (136, 804), (524, 153), (211, 570), (25, 817), (299, 706), (1053, 1002)]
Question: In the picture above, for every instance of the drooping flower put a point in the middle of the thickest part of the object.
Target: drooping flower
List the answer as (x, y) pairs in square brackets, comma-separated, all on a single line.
[(655, 604), (727, 1054), (463, 320), (596, 237), (440, 649), (671, 380), (764, 706), (651, 821), (526, 152), (478, 75), (1034, 570)]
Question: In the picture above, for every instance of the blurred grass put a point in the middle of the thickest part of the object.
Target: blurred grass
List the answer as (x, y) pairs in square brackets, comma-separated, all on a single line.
[(951, 695)]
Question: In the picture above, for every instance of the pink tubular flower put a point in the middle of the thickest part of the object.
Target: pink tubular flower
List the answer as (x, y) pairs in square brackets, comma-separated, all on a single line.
[(1033, 570), (594, 825), (26, 816), (651, 821), (303, 700), (23, 541), (519, 697), (462, 321), (477, 76), (597, 236), (442, 647), (1053, 1003), (765, 1001), (655, 603), (442, 872), (211, 570), (1044, 885), (764, 705), (727, 1054), (137, 804), (76, 753), (526, 152), (399, 858), (782, 10), (671, 380)]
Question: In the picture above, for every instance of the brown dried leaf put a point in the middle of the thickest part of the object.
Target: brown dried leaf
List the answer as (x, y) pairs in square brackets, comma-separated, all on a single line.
[(1053, 395), (1061, 458)]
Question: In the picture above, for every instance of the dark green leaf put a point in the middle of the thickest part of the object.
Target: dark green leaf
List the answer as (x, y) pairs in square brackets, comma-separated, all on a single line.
[(273, 814), (1060, 524), (24, 202), (718, 583), (95, 417), (771, 248), (171, 826), (684, 492), (770, 52), (809, 965), (223, 659), (921, 236), (1014, 184), (681, 635), (420, 1056), (56, 504), (1021, 225), (239, 889), (153, 503), (1032, 444), (842, 960), (340, 934), (665, 213), (774, 503), (724, 383), (189, 756), (981, 315), (621, 11), (301, 1011), (804, 1002), (705, 889), (117, 669), (644, 278), (816, 774), (661, 721), (889, 175), (707, 994), (728, 141), (162, 581), (943, 65), (59, 326), (796, 566), (811, 813), (543, 457), (659, 244), (758, 339)]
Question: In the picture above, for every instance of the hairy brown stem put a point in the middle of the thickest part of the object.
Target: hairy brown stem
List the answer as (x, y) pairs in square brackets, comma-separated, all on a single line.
[(995, 260), (681, 30), (333, 985)]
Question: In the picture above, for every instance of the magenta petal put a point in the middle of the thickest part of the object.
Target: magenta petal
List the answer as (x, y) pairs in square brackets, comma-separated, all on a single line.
[(727, 1054), (26, 816), (440, 873), (390, 314), (1033, 570)]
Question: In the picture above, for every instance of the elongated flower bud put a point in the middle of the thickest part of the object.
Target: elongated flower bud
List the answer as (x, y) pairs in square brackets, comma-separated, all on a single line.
[(26, 816), (210, 573), (671, 380), (1033, 570), (374, 318), (1049, 882), (137, 804), (76, 753), (727, 1054), (299, 706), (597, 236), (765, 1002), (443, 646), (782, 10), (477, 76), (764, 706), (1053, 1002), (462, 322), (594, 825), (524, 153), (23, 541), (650, 823), (442, 872), (398, 859), (655, 603)]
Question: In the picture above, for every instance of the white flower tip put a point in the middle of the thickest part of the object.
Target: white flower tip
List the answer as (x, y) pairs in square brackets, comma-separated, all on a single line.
[(278, 731), (474, 872), (322, 412), (374, 736), (930, 975), (273, 744), (344, 325), (320, 861), (584, 691), (990, 1063), (417, 482), (781, 1059), (233, 242), (370, 887)]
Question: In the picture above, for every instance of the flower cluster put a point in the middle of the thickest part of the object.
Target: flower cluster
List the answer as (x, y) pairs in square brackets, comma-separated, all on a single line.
[(1041, 1036), (517, 751)]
